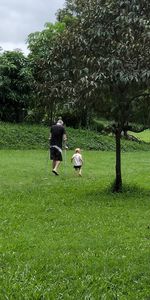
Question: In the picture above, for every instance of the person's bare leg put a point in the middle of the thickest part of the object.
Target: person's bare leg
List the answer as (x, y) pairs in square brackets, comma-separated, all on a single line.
[(53, 164), (57, 163), (80, 172)]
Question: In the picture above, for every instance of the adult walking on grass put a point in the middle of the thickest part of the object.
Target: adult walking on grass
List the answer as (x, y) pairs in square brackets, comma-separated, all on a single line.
[(57, 137)]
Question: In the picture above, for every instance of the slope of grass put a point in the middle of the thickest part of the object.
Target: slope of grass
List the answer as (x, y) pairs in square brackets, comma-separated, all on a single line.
[(143, 136), (36, 137), (70, 238)]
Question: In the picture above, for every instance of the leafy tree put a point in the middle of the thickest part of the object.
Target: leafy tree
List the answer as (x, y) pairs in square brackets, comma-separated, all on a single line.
[(69, 14), (105, 57), (15, 85), (45, 71)]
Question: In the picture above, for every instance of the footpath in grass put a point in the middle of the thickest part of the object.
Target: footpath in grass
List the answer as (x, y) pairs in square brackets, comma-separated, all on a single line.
[(70, 238)]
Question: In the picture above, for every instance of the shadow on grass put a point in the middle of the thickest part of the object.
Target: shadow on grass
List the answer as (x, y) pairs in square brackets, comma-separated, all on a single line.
[(129, 190), (129, 193)]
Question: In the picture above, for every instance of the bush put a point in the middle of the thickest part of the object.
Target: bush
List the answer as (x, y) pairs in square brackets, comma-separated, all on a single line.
[(97, 126), (70, 119)]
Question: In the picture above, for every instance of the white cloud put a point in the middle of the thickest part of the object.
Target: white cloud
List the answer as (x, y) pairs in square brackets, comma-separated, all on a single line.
[(19, 18), (12, 46)]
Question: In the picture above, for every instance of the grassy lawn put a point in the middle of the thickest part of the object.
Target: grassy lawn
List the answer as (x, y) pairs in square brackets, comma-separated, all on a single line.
[(70, 238)]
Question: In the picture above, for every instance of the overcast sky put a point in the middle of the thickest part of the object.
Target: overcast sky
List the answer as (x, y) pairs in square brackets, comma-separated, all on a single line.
[(18, 18)]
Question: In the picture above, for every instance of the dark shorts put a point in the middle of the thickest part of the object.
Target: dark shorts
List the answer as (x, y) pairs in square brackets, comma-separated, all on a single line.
[(55, 154), (77, 167)]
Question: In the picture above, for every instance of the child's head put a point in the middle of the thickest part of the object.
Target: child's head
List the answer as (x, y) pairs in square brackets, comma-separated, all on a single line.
[(77, 150)]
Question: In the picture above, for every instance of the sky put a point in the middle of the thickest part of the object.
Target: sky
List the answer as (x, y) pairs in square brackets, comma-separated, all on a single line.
[(19, 18)]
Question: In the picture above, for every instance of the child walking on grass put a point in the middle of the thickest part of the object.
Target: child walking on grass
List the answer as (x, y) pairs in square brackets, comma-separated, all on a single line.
[(77, 161)]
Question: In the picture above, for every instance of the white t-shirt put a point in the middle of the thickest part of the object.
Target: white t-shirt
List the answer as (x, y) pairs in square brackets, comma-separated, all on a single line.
[(77, 159)]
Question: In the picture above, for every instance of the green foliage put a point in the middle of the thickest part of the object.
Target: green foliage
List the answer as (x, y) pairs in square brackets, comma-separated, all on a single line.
[(23, 136), (79, 242), (36, 137), (39, 43), (107, 56), (70, 119), (45, 71), (97, 125), (15, 85)]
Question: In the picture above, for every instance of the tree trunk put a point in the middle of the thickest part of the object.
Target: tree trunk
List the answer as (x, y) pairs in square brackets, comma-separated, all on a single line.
[(50, 112), (118, 180)]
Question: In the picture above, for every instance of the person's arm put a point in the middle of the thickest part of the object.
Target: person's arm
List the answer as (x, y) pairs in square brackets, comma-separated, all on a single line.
[(50, 134), (65, 140), (64, 137)]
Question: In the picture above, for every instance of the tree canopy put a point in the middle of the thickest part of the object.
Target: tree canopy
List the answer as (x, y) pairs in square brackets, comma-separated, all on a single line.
[(41, 45)]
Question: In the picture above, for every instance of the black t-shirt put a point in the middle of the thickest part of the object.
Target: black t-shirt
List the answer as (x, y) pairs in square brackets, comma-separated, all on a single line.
[(57, 132)]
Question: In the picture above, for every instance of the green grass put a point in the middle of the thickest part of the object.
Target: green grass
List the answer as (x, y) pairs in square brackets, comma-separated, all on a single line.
[(143, 136), (70, 238)]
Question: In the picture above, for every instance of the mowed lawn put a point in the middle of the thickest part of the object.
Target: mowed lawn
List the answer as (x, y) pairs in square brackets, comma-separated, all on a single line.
[(67, 237)]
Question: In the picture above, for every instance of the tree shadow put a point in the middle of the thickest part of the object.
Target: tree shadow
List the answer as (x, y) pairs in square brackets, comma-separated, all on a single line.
[(129, 193), (129, 190)]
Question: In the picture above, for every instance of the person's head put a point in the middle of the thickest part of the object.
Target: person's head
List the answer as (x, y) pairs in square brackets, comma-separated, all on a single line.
[(77, 150), (60, 122)]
